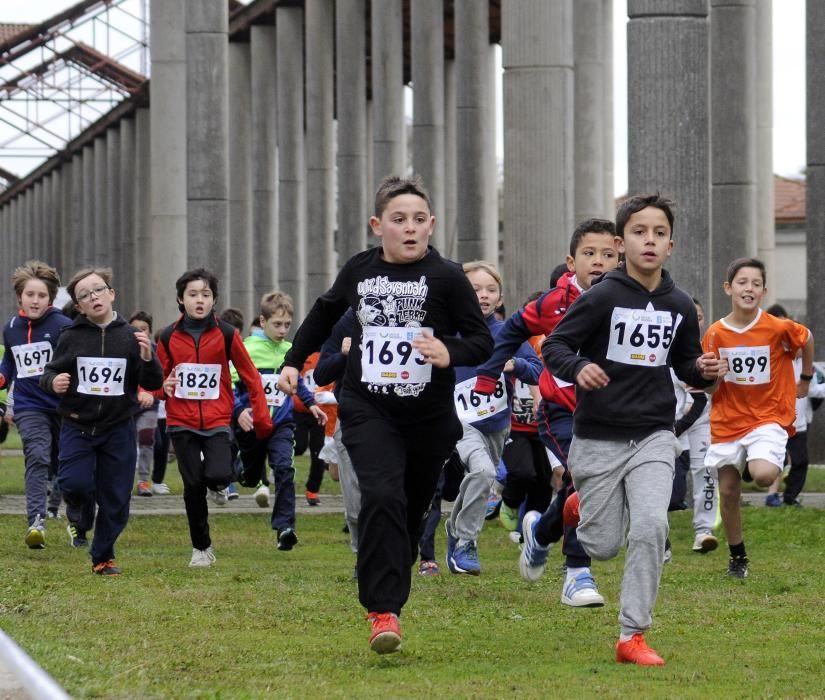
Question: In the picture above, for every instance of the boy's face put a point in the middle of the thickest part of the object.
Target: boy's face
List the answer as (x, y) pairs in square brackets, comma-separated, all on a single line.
[(35, 299), (277, 326), (700, 317), (404, 228), (198, 299), (94, 298), (141, 326), (486, 289), (647, 243), (747, 289), (595, 255)]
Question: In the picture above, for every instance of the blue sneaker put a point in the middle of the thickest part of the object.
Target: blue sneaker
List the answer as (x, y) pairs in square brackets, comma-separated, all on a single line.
[(465, 560), (533, 556), (773, 500), (581, 592), (451, 543), (232, 492), (493, 506)]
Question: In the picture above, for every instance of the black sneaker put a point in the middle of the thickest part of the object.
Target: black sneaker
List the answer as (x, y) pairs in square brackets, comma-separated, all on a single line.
[(793, 502), (106, 568), (76, 537), (738, 567), (287, 539)]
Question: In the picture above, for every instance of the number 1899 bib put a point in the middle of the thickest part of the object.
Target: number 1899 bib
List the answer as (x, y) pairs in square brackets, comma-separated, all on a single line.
[(388, 357)]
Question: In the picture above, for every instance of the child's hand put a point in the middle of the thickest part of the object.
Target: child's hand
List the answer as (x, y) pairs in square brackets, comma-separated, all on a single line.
[(170, 383), (802, 388), (346, 344), (509, 366), (434, 351), (245, 420), (592, 377), (288, 380), (145, 399), (145, 345), (320, 416), (711, 367), (60, 384)]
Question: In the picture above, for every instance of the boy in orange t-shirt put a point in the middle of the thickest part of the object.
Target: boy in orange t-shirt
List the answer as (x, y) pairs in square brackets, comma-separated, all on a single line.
[(753, 407)]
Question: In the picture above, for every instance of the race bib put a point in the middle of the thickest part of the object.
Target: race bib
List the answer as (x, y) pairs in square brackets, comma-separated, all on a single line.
[(101, 376), (197, 381), (31, 358), (274, 396), (309, 380), (522, 402), (471, 407), (641, 337), (748, 365), (388, 357)]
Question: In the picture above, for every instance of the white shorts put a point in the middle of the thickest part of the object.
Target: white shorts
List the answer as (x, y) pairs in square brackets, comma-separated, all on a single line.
[(766, 442)]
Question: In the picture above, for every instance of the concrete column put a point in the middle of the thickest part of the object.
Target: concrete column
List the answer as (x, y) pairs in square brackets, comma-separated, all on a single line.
[(387, 90), (320, 153), (239, 294), (668, 142), (537, 45), (291, 161), (146, 295), (28, 227), (14, 232), (113, 229), (135, 262), (733, 125), (265, 162), (87, 240), (63, 255), (77, 234), (100, 252), (607, 67), (477, 235), (765, 214), (427, 47), (37, 233), (491, 207), (56, 214), (591, 27), (449, 229), (351, 104), (166, 255), (207, 184)]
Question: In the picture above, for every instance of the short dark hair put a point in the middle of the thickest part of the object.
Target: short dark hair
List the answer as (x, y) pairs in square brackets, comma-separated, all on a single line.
[(105, 273), (642, 201), (198, 273), (234, 317), (393, 186), (589, 226), (777, 310), (739, 263), (144, 316), (559, 271)]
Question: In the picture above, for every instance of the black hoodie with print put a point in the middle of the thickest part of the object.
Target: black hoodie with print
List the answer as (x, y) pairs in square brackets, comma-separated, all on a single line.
[(634, 335)]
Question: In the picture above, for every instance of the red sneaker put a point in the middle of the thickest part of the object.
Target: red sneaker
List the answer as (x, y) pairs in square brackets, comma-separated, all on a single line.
[(106, 568), (636, 651), (386, 634), (313, 498)]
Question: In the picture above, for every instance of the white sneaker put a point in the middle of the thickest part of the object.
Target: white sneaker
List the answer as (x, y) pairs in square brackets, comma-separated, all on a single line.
[(202, 558), (262, 496), (221, 497), (705, 542), (580, 591), (161, 489)]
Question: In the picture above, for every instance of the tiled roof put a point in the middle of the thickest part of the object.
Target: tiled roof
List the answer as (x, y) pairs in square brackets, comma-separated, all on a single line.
[(789, 204), (7, 31)]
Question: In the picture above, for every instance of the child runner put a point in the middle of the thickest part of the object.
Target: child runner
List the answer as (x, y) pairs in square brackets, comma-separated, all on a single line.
[(98, 365), (267, 355), (485, 421), (195, 352), (753, 408), (616, 343), (592, 253), (30, 338), (417, 318)]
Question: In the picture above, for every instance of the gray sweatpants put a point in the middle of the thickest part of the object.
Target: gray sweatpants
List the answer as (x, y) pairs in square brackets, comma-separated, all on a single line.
[(480, 453), (621, 483), (145, 424), (39, 433), (350, 489)]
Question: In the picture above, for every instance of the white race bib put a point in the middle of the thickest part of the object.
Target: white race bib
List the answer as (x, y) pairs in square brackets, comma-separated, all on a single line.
[(641, 337), (101, 376), (471, 407), (274, 396), (388, 357), (748, 365), (309, 380), (31, 358), (198, 381)]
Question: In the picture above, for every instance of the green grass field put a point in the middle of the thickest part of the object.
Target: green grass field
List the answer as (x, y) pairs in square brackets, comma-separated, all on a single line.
[(262, 622)]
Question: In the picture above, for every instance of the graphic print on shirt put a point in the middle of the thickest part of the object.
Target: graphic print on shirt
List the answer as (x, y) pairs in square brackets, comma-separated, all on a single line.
[(389, 364), (641, 336)]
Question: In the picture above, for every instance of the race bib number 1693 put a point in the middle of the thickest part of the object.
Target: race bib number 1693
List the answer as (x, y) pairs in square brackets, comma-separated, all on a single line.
[(388, 357)]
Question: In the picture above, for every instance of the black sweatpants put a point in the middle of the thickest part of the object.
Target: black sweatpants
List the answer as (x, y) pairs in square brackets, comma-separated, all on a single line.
[(398, 466), (798, 452)]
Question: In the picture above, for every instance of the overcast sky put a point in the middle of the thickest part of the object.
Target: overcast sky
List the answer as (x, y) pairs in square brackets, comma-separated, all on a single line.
[(788, 78)]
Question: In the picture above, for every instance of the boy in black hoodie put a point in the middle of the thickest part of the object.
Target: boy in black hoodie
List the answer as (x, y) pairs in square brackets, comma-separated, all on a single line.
[(617, 343), (99, 362)]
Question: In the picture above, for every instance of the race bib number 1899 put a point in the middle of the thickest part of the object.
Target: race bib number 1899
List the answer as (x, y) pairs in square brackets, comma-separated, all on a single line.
[(748, 365), (641, 337), (388, 357)]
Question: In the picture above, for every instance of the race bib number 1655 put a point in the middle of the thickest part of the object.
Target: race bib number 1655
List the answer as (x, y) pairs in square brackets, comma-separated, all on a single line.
[(641, 337)]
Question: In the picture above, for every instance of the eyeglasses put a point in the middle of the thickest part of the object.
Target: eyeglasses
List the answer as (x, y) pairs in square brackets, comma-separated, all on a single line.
[(96, 291)]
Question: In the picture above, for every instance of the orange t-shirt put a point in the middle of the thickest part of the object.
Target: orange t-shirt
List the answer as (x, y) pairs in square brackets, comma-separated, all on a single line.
[(760, 386), (321, 392)]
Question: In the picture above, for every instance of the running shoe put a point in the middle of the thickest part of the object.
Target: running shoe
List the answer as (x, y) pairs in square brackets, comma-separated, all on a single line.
[(385, 635), (77, 538), (144, 488), (36, 534), (106, 568), (508, 517), (533, 557), (202, 558), (312, 498), (636, 651), (773, 500), (287, 539), (581, 592), (262, 495), (161, 489), (704, 542), (738, 567), (465, 559), (428, 568)]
